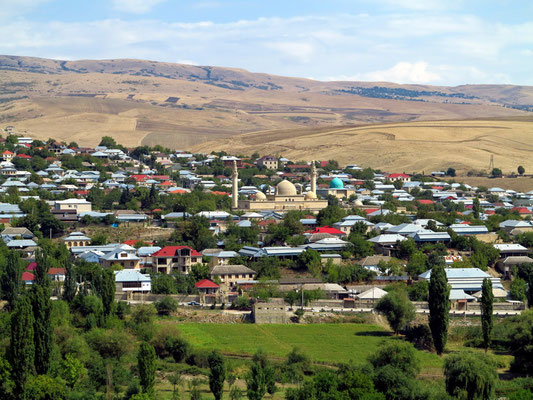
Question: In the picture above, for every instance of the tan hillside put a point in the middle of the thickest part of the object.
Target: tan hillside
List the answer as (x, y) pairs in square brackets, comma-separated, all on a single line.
[(405, 147), (378, 124)]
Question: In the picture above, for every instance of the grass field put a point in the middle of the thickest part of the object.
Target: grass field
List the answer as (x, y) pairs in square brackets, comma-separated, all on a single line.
[(329, 343)]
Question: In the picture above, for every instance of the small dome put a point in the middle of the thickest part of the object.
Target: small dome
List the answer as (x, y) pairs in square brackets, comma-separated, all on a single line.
[(260, 196), (336, 183), (286, 188), (358, 202), (310, 196)]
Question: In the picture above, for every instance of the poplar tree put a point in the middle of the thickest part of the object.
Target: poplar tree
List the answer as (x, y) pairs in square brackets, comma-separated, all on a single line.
[(260, 378), (42, 327), (105, 287), (69, 286), (12, 279), (21, 348), (487, 319), (217, 374), (146, 364), (439, 307), (476, 208)]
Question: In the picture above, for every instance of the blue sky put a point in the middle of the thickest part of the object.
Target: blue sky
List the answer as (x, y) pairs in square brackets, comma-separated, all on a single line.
[(440, 42)]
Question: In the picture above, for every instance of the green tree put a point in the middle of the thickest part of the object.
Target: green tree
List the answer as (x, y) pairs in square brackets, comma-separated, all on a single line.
[(417, 264), (476, 208), (397, 308), (105, 287), (146, 364), (487, 318), (166, 306), (330, 215), (311, 261), (439, 307), (43, 387), (496, 172), (518, 289), (470, 376), (217, 374), (12, 279), (42, 327), (450, 172), (521, 170), (21, 347), (260, 377), (69, 286)]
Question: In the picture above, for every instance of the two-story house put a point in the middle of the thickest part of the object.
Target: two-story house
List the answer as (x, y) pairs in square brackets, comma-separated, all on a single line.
[(175, 259)]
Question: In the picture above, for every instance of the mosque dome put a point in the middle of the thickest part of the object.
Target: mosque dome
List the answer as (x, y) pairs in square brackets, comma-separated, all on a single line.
[(260, 196), (286, 188), (336, 183), (358, 203), (310, 196)]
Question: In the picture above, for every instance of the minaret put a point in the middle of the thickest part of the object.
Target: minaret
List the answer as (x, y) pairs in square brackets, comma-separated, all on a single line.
[(235, 190), (313, 177)]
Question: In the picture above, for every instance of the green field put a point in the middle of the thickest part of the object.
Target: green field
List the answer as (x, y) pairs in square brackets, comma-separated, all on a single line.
[(329, 343)]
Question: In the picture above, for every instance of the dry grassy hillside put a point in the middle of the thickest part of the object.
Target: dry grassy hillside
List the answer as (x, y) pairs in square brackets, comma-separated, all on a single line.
[(408, 147), (207, 108)]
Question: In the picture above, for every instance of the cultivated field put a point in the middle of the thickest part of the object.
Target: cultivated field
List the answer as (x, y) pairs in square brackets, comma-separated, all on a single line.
[(406, 147)]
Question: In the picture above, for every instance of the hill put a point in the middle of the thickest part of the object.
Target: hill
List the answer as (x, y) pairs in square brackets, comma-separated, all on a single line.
[(183, 106), (406, 147), (212, 108)]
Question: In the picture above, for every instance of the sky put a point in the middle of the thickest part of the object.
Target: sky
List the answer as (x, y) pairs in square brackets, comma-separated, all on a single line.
[(438, 42)]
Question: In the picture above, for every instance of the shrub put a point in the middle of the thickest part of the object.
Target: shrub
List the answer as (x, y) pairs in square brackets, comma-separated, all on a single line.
[(166, 306), (420, 336)]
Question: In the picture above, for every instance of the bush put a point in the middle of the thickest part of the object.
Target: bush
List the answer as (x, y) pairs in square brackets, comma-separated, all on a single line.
[(166, 306), (420, 336), (162, 337), (470, 376), (397, 308), (198, 358)]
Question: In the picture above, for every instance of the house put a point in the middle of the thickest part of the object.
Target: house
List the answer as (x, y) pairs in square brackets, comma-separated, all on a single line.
[(175, 259), (399, 177), (470, 280), (8, 155), (505, 265), (129, 280), (76, 239), (386, 244), (463, 229), (230, 274), (123, 255), (80, 205), (207, 290), (511, 250), (373, 293), (371, 263), (269, 162), (17, 233)]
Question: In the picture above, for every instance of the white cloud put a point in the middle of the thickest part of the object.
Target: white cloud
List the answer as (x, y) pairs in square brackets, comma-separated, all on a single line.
[(12, 8), (420, 5), (402, 72), (400, 48), (135, 6)]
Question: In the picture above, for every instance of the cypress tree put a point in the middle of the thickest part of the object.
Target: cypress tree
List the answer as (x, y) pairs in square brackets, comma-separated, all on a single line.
[(487, 322), (42, 327), (41, 270), (21, 348), (12, 279), (217, 374), (146, 364), (476, 208), (107, 290), (439, 307), (69, 286)]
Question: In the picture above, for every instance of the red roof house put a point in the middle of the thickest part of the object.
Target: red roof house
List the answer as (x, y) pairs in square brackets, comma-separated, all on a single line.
[(328, 229), (206, 284)]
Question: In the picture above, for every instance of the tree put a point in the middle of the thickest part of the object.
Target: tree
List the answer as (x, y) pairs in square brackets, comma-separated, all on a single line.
[(69, 286), (146, 365), (217, 374), (450, 172), (476, 208), (260, 377), (21, 347), (310, 260), (521, 170), (12, 279), (496, 172), (518, 289), (397, 308), (42, 327), (166, 305), (470, 376), (439, 307), (417, 264), (520, 341), (487, 323), (105, 286), (397, 354)]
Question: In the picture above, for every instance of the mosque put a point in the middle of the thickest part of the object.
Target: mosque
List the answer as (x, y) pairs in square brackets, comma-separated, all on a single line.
[(287, 197), (337, 189)]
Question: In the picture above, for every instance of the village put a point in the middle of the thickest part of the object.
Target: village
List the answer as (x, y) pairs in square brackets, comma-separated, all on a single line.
[(228, 231)]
